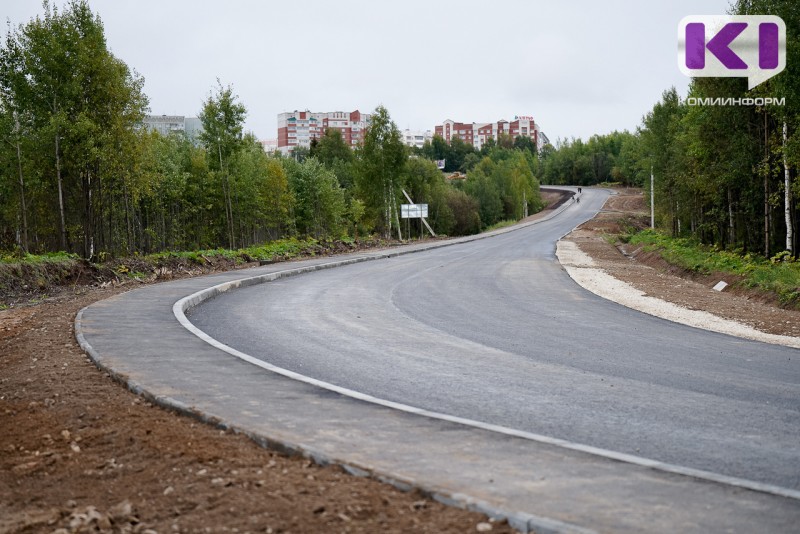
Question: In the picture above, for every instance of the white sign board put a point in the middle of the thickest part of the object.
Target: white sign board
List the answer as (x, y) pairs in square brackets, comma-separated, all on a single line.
[(413, 211)]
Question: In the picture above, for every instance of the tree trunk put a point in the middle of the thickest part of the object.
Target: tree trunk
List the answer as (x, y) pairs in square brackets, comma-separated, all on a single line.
[(787, 201), (766, 216), (63, 240), (23, 208), (387, 212), (88, 222), (766, 189), (731, 229), (128, 228), (396, 215), (228, 211)]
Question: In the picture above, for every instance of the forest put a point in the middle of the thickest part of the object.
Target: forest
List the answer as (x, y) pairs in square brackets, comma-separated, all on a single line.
[(723, 160), (79, 173)]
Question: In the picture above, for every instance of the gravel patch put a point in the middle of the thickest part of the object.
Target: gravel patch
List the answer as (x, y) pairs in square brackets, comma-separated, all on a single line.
[(588, 275)]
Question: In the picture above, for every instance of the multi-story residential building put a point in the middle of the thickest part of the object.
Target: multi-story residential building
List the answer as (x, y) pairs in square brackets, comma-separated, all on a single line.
[(193, 127), (167, 124), (298, 128), (416, 138), (476, 134), (270, 145), (542, 140)]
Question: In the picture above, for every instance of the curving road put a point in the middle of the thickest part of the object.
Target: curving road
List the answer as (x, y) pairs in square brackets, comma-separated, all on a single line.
[(494, 330)]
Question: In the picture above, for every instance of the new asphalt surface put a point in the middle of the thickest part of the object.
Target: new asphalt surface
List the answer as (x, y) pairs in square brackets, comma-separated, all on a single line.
[(492, 331), (496, 331)]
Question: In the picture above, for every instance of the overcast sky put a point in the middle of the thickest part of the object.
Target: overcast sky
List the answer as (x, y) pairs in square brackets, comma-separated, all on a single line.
[(578, 68)]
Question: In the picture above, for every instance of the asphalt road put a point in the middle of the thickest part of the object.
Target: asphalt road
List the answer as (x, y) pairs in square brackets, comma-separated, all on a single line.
[(494, 330)]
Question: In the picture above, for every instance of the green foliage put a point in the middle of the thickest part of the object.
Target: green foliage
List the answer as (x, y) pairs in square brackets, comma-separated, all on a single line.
[(79, 173), (223, 119), (466, 219), (724, 174), (504, 186), (425, 183), (721, 171), (331, 148), (321, 208), (500, 224), (604, 158), (282, 249), (47, 257), (69, 110), (380, 171)]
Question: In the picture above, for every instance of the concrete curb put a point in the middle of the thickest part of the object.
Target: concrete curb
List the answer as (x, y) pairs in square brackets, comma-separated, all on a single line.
[(190, 301), (584, 272)]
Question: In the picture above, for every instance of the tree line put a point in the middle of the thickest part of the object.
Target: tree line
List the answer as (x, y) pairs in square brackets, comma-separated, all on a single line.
[(79, 172), (724, 174)]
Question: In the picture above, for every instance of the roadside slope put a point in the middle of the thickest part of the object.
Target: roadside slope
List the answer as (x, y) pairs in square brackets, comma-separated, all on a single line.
[(644, 282)]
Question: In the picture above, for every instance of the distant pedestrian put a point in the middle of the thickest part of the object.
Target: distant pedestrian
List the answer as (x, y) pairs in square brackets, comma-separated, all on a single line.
[(579, 189)]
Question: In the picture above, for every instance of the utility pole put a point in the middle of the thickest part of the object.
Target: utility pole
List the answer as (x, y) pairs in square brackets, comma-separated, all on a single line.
[(524, 205)]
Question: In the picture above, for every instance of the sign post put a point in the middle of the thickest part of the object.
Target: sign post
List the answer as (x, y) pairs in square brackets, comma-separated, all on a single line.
[(416, 211)]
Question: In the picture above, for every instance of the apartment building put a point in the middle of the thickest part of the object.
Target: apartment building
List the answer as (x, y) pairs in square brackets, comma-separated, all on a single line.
[(167, 124), (476, 134), (270, 145), (298, 128), (416, 138)]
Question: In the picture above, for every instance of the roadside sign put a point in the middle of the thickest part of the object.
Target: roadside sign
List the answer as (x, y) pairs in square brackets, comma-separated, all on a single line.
[(413, 211)]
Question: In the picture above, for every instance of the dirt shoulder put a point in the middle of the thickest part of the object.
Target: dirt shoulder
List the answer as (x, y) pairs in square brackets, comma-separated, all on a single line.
[(649, 273), (81, 453)]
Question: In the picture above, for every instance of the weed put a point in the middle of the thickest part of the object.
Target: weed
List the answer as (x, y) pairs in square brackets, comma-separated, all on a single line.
[(500, 224)]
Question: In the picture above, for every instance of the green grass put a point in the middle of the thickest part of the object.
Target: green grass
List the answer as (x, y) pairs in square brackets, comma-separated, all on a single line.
[(36, 259), (21, 273), (500, 224), (281, 249), (778, 276)]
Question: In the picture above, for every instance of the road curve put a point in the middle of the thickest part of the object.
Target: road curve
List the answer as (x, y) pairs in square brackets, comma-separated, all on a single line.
[(495, 331)]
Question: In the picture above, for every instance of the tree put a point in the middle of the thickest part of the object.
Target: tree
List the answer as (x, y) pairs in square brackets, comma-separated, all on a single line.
[(525, 143), (381, 166), (12, 134), (660, 139), (276, 198), (425, 184), (481, 186), (262, 197), (466, 219), (331, 148), (320, 207), (79, 106), (223, 119)]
